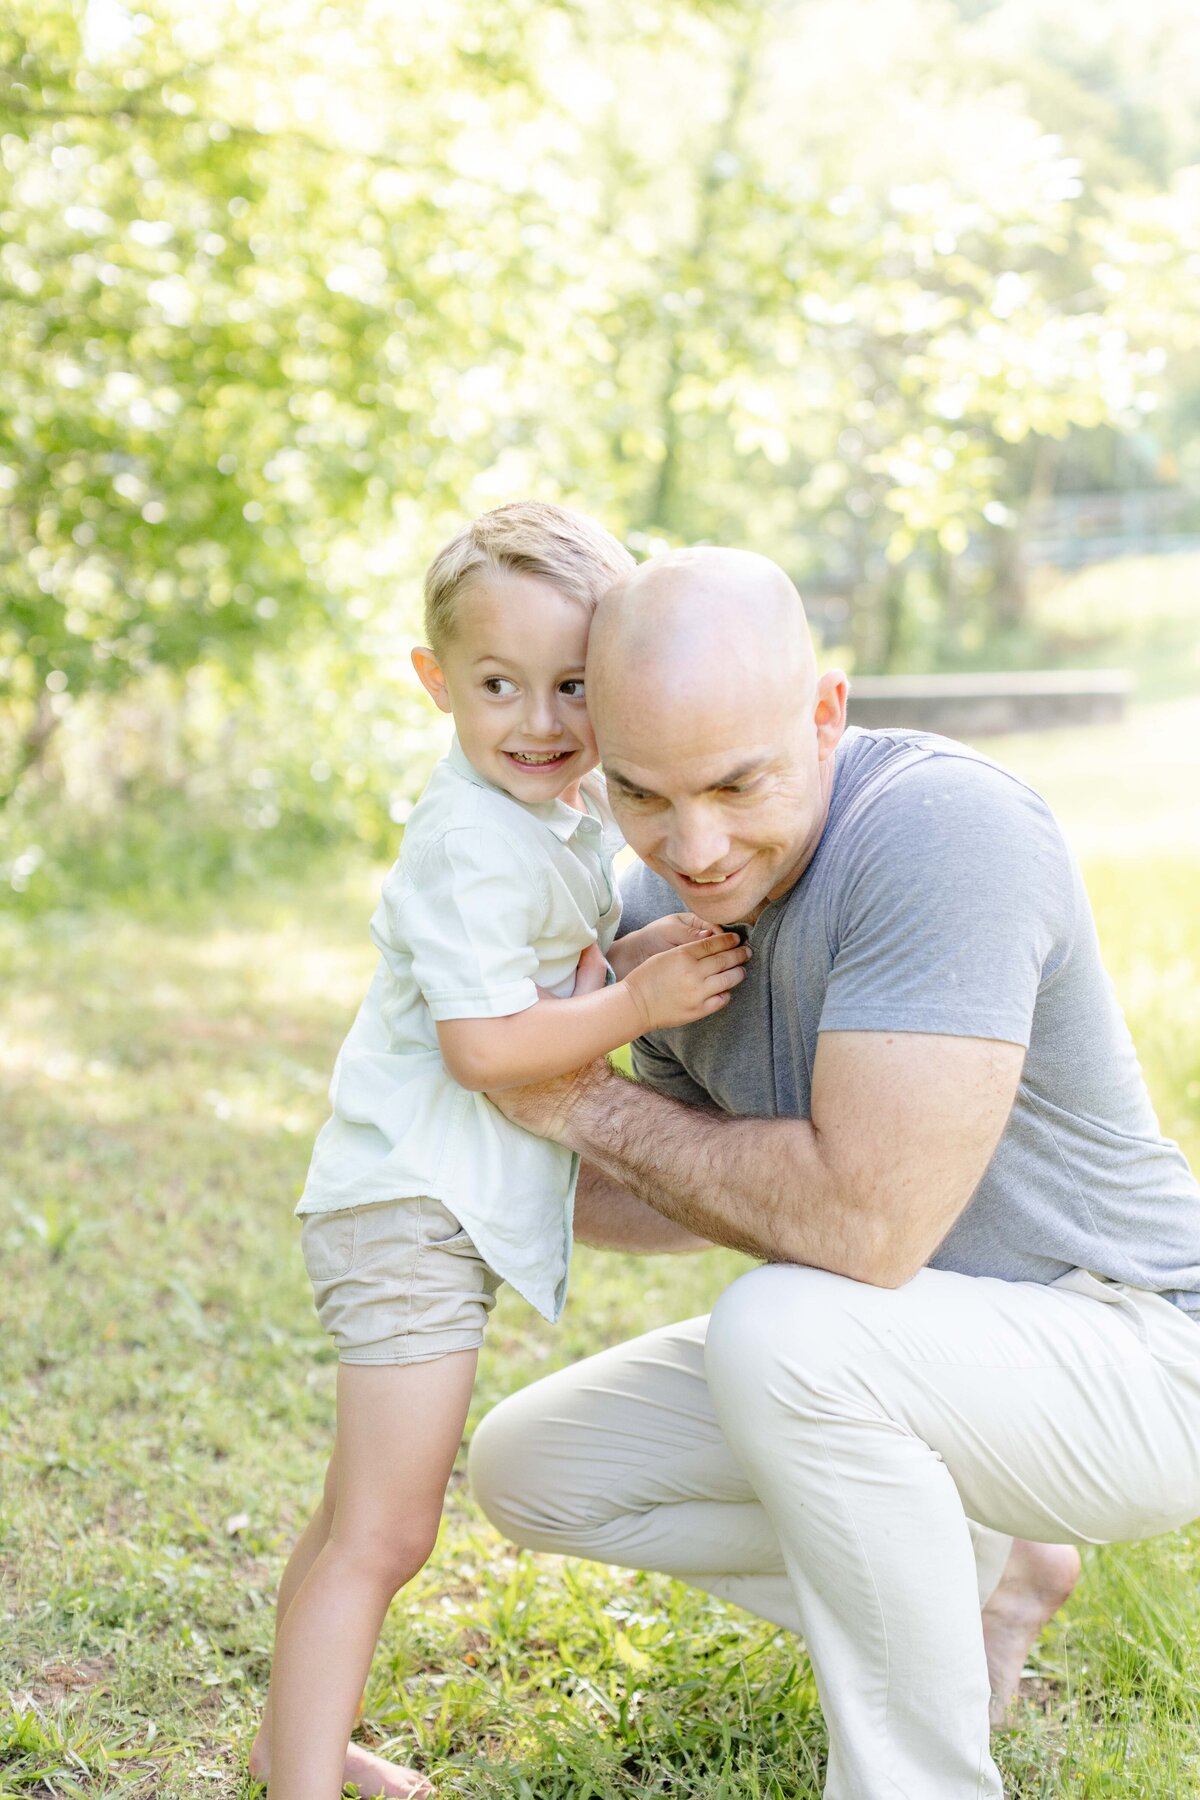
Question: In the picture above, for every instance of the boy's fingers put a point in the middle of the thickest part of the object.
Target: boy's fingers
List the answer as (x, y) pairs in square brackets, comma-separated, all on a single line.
[(721, 944), (727, 959), (725, 978)]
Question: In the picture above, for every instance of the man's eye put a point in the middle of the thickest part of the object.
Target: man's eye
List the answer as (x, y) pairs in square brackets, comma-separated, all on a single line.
[(572, 689)]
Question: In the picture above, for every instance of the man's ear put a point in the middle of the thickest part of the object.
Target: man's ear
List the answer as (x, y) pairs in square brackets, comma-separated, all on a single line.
[(829, 715), (432, 677)]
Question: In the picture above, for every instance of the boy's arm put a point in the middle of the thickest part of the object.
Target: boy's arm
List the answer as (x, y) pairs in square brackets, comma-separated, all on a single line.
[(553, 1037)]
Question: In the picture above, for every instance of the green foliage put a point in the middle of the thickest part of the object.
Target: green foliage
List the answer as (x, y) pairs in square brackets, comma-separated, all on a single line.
[(286, 290)]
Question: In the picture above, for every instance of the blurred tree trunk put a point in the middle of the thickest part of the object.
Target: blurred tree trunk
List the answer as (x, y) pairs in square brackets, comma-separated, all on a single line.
[(662, 508), (1010, 601), (31, 747)]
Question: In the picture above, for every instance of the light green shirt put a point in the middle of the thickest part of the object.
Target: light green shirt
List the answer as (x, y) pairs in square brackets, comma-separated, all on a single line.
[(487, 898)]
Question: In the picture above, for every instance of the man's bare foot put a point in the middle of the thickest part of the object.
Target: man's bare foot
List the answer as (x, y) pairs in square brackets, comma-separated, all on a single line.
[(1037, 1579), (369, 1773)]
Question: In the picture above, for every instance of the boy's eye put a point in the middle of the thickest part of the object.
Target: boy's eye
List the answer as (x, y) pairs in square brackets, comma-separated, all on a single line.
[(498, 684), (573, 689)]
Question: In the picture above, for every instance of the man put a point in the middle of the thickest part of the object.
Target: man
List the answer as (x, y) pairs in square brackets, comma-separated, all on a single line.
[(973, 1344)]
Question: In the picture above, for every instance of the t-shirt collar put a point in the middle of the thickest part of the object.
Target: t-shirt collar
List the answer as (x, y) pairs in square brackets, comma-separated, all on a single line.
[(563, 820)]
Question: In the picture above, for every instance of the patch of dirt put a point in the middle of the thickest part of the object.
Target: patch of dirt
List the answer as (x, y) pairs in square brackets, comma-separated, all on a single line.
[(59, 1678), (1041, 1693)]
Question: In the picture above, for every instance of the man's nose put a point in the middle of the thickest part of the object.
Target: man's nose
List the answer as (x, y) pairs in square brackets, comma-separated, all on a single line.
[(697, 841)]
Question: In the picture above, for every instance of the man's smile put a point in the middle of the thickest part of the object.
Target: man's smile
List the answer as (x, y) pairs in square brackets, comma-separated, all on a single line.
[(708, 881)]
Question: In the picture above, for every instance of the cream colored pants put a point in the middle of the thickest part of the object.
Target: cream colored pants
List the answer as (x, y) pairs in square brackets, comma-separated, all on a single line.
[(852, 1462)]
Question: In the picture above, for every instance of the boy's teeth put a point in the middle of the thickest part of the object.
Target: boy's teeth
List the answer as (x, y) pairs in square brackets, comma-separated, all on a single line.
[(525, 757)]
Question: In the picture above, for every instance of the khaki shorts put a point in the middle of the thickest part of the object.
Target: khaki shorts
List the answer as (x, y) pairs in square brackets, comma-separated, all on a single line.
[(397, 1282)]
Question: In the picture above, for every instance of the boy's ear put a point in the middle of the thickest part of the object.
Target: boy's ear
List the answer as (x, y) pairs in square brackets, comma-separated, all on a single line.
[(431, 677)]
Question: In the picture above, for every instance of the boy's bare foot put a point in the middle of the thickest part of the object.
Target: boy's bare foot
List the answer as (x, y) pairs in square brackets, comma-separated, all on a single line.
[(370, 1774), (1037, 1579)]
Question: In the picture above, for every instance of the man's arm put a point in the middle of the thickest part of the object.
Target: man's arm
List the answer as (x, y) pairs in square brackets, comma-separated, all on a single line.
[(609, 1217), (903, 1126)]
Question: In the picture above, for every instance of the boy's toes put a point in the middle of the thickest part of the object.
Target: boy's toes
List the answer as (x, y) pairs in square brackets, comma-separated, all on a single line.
[(371, 1776)]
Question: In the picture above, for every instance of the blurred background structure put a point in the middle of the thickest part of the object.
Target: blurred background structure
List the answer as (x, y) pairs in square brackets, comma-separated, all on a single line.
[(904, 293)]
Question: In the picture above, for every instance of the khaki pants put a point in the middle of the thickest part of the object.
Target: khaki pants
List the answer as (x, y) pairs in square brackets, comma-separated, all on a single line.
[(852, 1463)]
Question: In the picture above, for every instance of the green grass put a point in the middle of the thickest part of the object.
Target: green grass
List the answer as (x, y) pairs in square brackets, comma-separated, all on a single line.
[(166, 1394)]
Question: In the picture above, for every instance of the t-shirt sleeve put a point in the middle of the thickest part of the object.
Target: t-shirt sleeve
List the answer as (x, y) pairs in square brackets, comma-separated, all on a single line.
[(470, 918), (657, 1068), (956, 903)]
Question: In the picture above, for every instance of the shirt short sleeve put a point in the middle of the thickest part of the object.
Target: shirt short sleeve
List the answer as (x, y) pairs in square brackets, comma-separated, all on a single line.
[(956, 902), (470, 916), (656, 1068)]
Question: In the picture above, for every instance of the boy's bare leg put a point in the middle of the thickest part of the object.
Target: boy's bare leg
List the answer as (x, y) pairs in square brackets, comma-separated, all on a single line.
[(398, 1431), (371, 1774), (304, 1553)]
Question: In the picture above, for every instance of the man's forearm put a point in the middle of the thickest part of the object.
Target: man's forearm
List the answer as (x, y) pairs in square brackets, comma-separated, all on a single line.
[(609, 1217), (757, 1185)]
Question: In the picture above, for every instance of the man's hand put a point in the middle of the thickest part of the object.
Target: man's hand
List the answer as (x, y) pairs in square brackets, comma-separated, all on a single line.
[(546, 1107), (661, 934), (591, 974)]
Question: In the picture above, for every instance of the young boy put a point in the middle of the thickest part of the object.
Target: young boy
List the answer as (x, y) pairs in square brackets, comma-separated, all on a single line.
[(422, 1197)]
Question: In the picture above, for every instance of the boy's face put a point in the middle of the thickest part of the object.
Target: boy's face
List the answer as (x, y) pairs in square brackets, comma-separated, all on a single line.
[(513, 679)]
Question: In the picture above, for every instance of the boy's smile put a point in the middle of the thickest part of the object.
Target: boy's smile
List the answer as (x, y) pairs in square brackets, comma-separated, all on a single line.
[(512, 676)]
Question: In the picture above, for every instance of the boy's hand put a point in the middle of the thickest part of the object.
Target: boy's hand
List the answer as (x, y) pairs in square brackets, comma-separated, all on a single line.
[(591, 971), (689, 981), (662, 934)]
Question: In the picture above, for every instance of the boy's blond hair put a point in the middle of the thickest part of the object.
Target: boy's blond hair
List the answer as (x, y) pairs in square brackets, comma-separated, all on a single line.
[(528, 537)]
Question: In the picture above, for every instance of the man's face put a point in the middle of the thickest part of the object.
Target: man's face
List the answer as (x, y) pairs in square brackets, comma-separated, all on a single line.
[(725, 802)]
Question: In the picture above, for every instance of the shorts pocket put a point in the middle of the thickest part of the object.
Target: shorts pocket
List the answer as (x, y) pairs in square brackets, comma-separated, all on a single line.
[(327, 1243), (439, 1226)]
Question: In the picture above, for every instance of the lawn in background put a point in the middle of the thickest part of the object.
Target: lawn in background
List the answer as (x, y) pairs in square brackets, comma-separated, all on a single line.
[(166, 1395)]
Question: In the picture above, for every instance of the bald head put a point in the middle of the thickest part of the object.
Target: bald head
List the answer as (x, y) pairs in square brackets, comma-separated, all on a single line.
[(716, 736), (696, 624)]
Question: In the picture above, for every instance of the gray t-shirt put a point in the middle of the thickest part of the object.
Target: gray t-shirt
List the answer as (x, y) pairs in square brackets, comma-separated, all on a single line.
[(942, 898)]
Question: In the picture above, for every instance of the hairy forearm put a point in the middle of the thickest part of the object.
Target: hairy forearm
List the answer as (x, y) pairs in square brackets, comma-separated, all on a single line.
[(757, 1185), (609, 1217), (552, 1037)]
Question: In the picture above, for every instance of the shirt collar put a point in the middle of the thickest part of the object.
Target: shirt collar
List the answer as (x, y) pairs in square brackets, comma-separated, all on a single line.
[(563, 820)]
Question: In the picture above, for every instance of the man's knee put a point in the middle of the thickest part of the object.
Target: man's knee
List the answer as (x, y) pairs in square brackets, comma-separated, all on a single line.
[(496, 1462), (525, 1479), (784, 1338)]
